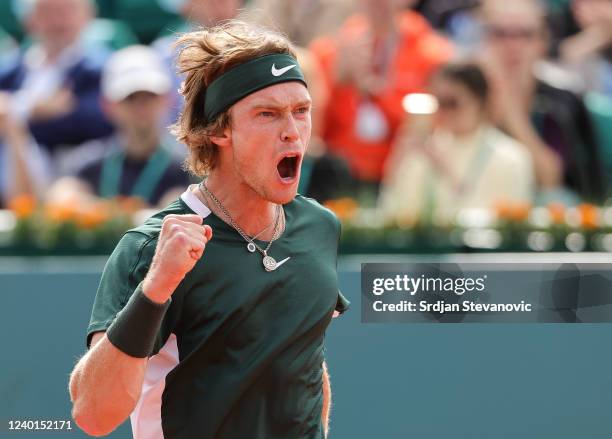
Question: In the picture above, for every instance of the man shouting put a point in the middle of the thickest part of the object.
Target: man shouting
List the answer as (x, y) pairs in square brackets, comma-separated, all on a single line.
[(210, 318)]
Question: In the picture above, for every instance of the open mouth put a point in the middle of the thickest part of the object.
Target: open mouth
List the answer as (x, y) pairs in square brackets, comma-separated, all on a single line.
[(288, 167)]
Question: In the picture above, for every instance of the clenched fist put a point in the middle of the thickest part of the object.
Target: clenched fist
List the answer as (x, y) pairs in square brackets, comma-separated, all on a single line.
[(180, 245)]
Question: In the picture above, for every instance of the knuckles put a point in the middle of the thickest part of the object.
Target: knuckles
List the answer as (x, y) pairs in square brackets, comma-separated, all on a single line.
[(180, 237), (175, 229), (177, 232)]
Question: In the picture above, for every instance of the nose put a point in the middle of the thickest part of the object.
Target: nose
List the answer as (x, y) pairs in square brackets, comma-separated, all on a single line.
[(290, 132)]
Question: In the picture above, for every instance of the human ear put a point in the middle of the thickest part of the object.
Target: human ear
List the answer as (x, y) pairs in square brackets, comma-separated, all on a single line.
[(223, 139)]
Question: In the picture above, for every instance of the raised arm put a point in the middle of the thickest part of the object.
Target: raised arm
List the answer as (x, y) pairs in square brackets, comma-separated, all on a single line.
[(106, 383)]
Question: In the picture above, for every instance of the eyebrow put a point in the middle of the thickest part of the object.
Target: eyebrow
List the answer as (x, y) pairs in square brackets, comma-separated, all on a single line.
[(277, 106)]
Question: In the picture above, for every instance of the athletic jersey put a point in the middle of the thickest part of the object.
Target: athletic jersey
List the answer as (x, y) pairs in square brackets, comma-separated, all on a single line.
[(240, 351)]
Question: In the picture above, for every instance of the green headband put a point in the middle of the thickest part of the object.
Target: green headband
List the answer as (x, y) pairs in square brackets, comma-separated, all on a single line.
[(247, 78)]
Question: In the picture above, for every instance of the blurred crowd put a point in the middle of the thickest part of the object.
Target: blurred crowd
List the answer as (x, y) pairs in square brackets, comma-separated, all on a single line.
[(421, 108)]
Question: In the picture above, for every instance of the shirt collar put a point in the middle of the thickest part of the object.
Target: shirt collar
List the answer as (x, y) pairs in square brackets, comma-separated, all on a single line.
[(194, 203)]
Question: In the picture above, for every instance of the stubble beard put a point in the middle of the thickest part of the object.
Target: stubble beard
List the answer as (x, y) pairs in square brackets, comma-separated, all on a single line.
[(259, 187)]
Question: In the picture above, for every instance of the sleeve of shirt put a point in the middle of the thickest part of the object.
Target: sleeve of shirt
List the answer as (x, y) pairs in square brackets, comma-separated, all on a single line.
[(124, 271), (342, 304)]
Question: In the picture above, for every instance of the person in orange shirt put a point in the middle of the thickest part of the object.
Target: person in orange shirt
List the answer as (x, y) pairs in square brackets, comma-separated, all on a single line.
[(377, 57)]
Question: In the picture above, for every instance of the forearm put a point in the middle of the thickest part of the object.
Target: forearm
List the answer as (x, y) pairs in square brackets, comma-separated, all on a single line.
[(106, 384), (326, 399), (548, 166), (575, 49), (105, 387), (17, 142)]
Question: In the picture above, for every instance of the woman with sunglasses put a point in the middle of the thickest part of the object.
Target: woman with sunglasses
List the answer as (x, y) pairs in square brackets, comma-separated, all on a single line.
[(463, 162)]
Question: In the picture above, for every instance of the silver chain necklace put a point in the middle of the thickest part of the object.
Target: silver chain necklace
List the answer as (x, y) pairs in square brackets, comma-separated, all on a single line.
[(254, 237), (268, 261)]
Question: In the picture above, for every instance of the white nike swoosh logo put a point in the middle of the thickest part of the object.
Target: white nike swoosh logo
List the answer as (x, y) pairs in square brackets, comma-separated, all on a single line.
[(278, 72), (279, 263)]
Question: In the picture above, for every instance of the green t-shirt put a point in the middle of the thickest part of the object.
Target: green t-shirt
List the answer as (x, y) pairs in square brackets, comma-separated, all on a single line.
[(240, 351)]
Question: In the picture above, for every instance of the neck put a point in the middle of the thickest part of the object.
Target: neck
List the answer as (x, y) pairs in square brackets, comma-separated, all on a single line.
[(140, 145), (248, 209), (53, 51)]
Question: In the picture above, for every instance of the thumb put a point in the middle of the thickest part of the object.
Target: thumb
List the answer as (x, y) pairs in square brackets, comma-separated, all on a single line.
[(208, 232)]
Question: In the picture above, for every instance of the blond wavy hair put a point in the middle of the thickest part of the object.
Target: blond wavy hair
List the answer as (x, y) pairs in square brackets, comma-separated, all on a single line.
[(203, 56)]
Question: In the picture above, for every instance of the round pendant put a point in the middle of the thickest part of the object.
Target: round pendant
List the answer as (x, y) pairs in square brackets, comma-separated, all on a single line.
[(269, 263), (251, 247)]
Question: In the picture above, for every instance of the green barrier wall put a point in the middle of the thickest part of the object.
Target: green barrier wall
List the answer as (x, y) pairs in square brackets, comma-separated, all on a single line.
[(389, 380)]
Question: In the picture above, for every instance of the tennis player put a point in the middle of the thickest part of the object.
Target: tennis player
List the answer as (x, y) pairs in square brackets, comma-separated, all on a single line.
[(227, 342)]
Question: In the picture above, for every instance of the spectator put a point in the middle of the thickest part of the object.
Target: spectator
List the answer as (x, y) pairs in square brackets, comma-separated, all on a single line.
[(377, 57), (589, 52), (551, 121), (55, 83), (135, 97), (324, 176), (465, 163)]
